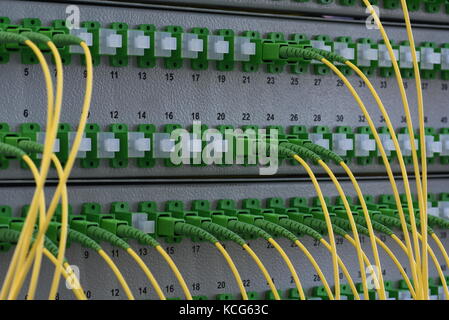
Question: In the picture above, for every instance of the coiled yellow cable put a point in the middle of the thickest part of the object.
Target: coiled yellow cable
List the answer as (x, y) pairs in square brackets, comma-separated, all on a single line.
[(263, 270), (147, 272), (328, 224)]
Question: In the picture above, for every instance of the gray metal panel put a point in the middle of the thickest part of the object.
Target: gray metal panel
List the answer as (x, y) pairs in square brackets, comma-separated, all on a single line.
[(311, 7), (129, 95), (207, 267)]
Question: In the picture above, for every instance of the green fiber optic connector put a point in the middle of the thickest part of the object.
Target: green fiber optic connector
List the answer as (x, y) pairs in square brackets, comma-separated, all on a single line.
[(269, 295)]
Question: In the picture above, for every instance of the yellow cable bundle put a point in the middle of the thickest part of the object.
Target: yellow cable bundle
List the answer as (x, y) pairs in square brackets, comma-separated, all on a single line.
[(422, 202), (46, 158), (422, 134), (413, 264), (74, 150), (19, 251), (328, 224), (357, 245)]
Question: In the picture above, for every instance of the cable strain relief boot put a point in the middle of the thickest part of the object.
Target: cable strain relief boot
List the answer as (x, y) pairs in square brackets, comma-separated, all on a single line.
[(37, 37), (84, 240), (440, 222), (246, 228), (302, 152), (346, 225), (31, 146), (62, 40), (9, 150), (106, 236), (377, 226), (329, 55), (273, 228), (326, 153), (286, 52), (300, 228), (10, 37), (125, 231), (222, 232), (192, 231)]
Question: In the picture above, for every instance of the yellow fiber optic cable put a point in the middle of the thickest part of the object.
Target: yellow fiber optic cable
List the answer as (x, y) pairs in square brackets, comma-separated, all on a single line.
[(409, 128), (78, 137), (62, 242), (64, 230), (147, 272), (52, 128), (369, 225), (264, 271), (9, 280), (73, 278), (316, 267), (117, 273), (398, 266), (344, 270), (422, 135), (328, 224), (175, 270), (48, 146), (413, 264), (233, 269), (290, 266), (79, 294), (440, 247), (392, 257), (357, 245), (434, 259), (50, 101)]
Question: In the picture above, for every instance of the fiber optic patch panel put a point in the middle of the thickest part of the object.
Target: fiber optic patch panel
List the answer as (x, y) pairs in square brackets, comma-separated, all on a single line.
[(229, 151), (192, 256), (223, 82)]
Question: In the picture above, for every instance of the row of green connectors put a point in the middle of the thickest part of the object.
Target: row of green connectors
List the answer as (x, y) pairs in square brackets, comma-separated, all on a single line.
[(161, 220), (200, 47), (146, 144), (158, 219)]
